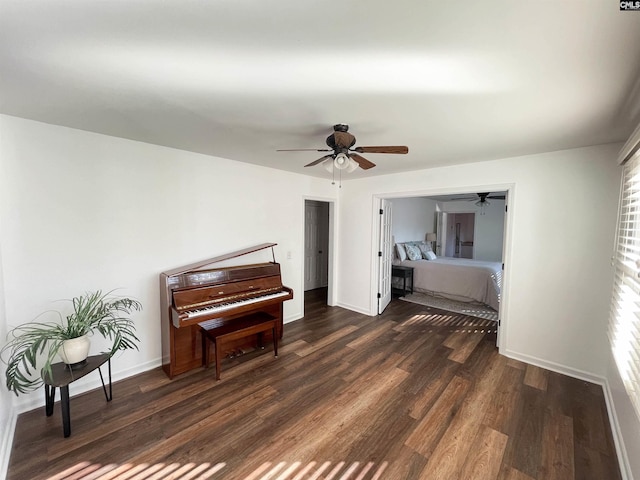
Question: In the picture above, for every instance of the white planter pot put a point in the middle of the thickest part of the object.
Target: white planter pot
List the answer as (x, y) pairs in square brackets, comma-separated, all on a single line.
[(75, 350)]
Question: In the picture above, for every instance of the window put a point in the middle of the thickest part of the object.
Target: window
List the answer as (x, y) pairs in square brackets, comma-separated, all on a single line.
[(624, 322)]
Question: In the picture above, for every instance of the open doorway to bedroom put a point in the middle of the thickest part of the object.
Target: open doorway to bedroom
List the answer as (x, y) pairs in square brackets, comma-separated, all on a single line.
[(453, 245)]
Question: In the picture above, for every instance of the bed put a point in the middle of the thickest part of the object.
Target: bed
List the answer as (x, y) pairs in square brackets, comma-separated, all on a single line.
[(459, 279)]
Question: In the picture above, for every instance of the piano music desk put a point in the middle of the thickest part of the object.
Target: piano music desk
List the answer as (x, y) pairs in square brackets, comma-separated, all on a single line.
[(219, 331)]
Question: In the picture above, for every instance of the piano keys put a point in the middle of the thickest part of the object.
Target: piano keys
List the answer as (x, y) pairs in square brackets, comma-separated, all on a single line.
[(197, 293)]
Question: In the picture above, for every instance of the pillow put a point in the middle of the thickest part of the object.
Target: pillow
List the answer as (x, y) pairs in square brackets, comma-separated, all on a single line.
[(430, 256), (424, 249), (400, 251), (413, 252)]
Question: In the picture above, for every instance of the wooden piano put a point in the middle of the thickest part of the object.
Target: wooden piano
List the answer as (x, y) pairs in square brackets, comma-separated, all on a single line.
[(195, 293)]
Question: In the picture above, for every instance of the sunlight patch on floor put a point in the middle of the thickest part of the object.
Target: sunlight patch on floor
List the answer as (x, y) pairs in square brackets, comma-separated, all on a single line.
[(127, 471), (457, 323), (203, 471)]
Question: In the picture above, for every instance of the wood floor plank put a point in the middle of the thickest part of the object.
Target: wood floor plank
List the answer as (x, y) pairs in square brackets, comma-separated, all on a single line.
[(485, 459), (462, 345), (349, 397), (430, 429), (315, 346), (501, 411), (451, 452), (523, 451), (510, 473), (536, 377), (557, 462)]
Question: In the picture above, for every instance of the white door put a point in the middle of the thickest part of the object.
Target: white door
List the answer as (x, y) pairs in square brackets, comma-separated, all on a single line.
[(385, 255), (315, 254), (441, 233)]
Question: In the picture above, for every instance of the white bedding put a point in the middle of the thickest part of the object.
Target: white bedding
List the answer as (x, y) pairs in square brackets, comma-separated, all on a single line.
[(458, 278)]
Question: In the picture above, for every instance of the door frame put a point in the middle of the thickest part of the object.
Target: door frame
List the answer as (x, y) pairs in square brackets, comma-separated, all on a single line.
[(331, 249), (510, 199)]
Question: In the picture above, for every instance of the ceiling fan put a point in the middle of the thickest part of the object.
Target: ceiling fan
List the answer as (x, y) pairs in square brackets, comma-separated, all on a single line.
[(344, 156), (483, 197)]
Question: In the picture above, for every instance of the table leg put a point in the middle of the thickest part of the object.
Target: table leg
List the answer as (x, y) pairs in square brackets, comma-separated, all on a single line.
[(64, 403), (104, 388), (49, 399)]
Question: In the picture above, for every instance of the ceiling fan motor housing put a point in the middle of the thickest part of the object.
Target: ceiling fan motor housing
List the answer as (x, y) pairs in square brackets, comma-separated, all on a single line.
[(341, 141)]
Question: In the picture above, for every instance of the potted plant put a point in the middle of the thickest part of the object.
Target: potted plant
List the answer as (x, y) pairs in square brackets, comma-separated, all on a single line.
[(35, 344)]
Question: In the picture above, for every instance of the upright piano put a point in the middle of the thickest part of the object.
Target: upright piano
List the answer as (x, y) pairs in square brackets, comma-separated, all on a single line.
[(200, 292)]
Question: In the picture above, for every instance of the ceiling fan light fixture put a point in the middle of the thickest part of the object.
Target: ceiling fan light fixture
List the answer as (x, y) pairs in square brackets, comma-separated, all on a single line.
[(341, 162), (353, 165), (482, 203), (334, 164)]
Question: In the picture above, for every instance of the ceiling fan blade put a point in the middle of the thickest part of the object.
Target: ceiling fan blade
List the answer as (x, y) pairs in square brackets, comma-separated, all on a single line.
[(363, 162), (320, 160), (396, 149), (497, 197), (305, 150)]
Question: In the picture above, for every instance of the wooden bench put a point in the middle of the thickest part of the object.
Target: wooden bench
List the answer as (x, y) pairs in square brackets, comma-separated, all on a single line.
[(219, 331)]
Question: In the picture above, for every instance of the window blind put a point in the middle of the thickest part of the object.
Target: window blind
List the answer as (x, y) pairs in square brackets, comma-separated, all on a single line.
[(624, 322)]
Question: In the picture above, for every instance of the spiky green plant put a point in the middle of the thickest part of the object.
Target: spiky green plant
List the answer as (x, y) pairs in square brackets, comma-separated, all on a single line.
[(37, 343)]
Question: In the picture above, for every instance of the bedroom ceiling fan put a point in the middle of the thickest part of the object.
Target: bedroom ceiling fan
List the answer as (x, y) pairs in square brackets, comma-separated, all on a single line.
[(344, 156), (483, 202), (483, 197)]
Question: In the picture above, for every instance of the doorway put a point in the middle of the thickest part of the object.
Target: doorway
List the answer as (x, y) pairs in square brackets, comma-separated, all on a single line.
[(482, 235), (460, 232), (316, 245)]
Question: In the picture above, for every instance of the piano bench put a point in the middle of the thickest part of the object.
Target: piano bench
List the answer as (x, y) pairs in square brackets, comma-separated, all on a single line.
[(219, 331)]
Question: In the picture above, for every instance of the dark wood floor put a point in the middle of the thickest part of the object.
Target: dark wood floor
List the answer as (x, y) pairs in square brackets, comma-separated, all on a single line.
[(349, 397)]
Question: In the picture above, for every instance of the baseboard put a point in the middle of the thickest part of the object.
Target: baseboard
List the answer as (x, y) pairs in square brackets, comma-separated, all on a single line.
[(554, 367), (618, 440), (90, 382), (353, 308), (6, 442)]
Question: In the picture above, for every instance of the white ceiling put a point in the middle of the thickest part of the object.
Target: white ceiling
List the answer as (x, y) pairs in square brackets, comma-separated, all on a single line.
[(457, 82)]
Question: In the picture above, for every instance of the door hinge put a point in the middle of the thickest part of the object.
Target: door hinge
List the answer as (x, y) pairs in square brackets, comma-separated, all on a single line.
[(379, 254), (498, 322), (379, 295), (380, 211), (503, 266), (506, 208)]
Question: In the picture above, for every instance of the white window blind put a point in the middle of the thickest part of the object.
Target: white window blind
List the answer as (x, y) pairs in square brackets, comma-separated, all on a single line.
[(624, 323)]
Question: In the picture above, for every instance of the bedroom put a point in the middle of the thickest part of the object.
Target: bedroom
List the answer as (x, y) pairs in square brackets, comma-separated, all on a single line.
[(453, 227), (81, 209)]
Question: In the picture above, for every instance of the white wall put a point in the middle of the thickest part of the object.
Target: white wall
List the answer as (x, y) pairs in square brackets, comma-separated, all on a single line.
[(557, 299), (412, 218), (8, 413), (489, 228), (82, 211)]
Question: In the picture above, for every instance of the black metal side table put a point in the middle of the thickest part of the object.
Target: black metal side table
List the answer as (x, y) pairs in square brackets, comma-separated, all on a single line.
[(405, 273), (61, 376)]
